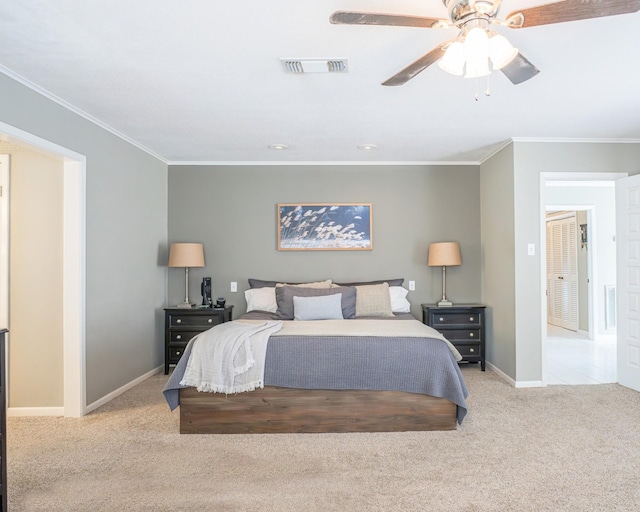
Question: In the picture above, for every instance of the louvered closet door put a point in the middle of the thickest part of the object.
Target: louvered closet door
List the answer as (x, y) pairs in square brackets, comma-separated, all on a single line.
[(562, 273)]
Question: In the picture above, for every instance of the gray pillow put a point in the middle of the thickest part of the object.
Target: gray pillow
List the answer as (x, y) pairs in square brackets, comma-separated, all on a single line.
[(392, 282), (285, 294), (328, 307), (261, 283)]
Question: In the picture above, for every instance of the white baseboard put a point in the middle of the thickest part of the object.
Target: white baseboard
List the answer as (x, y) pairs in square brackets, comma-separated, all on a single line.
[(512, 382), (529, 384), (107, 398), (59, 411), (35, 411)]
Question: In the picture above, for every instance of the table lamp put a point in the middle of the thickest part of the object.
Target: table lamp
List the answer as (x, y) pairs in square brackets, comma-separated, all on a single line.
[(186, 255), (444, 254)]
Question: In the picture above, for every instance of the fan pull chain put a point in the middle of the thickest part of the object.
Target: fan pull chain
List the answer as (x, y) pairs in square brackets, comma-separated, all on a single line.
[(487, 92)]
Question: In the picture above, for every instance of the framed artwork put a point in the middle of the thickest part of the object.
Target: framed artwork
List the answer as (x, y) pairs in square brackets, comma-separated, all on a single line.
[(324, 227)]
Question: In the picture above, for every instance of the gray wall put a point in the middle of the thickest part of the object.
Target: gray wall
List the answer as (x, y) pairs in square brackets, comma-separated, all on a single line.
[(232, 210), (498, 268), (531, 159), (126, 226)]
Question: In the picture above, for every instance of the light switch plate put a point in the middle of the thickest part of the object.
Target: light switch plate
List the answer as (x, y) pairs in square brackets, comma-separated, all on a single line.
[(412, 286), (531, 249), (234, 286)]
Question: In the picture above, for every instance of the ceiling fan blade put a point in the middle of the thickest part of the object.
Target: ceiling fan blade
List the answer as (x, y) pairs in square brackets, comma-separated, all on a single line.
[(419, 65), (520, 70), (572, 10), (372, 18)]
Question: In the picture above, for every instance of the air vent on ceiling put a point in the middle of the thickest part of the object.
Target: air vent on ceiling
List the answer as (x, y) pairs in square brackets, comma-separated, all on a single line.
[(315, 65)]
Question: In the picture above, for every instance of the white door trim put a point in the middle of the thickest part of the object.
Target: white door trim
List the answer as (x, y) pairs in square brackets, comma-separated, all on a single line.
[(5, 162), (74, 267), (5, 181)]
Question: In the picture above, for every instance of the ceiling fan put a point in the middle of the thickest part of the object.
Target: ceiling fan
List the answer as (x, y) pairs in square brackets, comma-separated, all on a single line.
[(476, 45)]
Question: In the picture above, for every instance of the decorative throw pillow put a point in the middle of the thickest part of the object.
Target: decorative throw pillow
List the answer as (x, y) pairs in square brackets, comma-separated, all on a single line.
[(261, 299), (327, 307), (314, 284), (373, 300), (285, 294), (260, 283), (390, 282), (399, 303)]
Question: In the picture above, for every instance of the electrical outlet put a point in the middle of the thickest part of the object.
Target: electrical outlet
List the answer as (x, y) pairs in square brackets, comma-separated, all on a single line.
[(234, 286), (412, 286)]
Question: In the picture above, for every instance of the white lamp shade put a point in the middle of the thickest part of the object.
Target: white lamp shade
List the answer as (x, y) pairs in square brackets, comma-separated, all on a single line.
[(501, 52), (453, 60), (444, 254), (476, 44), (186, 255), (477, 68), (476, 52)]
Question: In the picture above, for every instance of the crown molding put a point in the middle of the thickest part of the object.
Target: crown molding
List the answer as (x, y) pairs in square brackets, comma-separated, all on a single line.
[(502, 145), (566, 140), (50, 96), (317, 163)]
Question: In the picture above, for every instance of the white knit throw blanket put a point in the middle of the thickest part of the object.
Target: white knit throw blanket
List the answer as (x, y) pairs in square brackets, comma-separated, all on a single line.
[(229, 358)]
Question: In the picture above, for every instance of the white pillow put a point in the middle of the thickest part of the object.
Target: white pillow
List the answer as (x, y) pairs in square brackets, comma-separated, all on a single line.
[(261, 299), (325, 307), (399, 304)]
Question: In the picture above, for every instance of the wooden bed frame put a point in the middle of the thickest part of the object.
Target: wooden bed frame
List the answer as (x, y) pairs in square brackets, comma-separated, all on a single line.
[(286, 410)]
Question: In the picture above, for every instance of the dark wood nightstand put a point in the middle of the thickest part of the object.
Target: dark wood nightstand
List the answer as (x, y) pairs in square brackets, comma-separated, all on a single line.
[(182, 324), (463, 325)]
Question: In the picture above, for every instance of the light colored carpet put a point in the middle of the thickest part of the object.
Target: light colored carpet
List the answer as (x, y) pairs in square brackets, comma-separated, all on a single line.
[(555, 449)]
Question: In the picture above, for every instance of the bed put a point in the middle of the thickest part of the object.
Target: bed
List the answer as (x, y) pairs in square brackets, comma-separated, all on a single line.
[(356, 366)]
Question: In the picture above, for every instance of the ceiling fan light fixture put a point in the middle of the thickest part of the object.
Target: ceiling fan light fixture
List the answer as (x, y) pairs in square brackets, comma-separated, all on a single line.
[(476, 44), (501, 51), (476, 52), (477, 67), (453, 60)]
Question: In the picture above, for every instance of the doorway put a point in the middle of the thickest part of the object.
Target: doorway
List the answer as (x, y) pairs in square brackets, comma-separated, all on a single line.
[(584, 353), (73, 268)]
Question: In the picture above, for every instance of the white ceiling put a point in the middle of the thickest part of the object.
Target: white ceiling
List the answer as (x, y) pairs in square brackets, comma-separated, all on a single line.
[(202, 81)]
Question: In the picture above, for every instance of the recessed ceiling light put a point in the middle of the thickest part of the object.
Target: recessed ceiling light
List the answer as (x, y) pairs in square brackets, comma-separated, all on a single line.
[(367, 147), (278, 146)]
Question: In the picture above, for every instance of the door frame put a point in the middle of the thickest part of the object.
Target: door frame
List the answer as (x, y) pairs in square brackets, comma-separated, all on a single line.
[(73, 266), (544, 178), (5, 166), (5, 181)]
